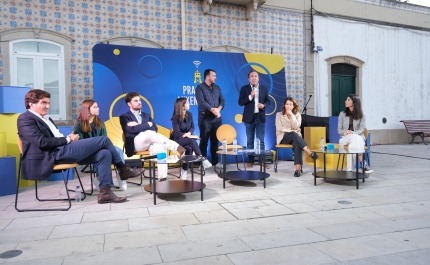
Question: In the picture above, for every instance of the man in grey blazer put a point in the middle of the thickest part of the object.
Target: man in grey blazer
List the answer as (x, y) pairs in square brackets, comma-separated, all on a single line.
[(43, 145)]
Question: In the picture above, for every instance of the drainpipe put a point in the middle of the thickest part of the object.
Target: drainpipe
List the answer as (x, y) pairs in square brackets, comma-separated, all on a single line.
[(184, 43)]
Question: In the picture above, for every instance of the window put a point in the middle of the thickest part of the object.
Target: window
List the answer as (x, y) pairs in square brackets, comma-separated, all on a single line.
[(40, 64)]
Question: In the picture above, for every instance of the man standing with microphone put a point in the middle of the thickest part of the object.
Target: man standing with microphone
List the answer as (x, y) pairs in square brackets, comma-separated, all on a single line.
[(255, 98)]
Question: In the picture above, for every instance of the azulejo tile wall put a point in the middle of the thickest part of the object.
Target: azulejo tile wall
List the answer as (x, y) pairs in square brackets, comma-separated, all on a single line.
[(89, 22)]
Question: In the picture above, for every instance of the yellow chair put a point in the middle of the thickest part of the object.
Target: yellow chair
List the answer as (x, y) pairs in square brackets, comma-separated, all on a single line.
[(57, 167), (141, 155), (279, 146), (228, 133)]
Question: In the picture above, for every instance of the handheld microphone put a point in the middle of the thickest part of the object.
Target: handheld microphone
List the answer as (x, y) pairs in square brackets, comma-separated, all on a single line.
[(310, 96)]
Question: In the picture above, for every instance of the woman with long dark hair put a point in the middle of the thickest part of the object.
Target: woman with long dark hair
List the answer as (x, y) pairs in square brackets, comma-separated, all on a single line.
[(183, 128), (288, 123), (88, 125), (350, 126)]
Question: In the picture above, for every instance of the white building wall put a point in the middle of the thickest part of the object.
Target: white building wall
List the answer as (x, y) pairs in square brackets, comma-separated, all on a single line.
[(396, 70)]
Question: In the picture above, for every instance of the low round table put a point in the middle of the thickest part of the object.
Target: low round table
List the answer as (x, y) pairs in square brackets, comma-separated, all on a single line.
[(244, 175), (174, 186), (344, 175)]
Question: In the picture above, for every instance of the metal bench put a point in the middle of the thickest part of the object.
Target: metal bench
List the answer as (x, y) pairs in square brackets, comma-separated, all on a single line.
[(417, 128)]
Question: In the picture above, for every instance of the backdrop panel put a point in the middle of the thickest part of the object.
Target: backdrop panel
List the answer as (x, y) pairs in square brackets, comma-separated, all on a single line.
[(161, 76)]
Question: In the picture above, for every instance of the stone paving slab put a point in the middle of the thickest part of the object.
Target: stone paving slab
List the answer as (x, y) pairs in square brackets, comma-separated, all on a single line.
[(421, 256), (361, 247), (212, 260), (147, 255), (291, 221), (202, 248), (154, 222), (301, 254)]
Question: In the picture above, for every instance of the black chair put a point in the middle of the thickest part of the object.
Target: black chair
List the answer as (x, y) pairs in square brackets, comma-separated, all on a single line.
[(56, 168)]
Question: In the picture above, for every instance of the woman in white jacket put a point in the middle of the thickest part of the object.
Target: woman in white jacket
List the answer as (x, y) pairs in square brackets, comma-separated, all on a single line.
[(350, 126), (288, 123)]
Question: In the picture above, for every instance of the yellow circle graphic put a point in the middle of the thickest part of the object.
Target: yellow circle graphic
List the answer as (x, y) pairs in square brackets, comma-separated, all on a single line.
[(276, 106), (116, 100), (238, 118), (116, 51)]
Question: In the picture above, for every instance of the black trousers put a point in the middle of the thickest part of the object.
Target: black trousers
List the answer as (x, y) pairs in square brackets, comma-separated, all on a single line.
[(298, 144), (190, 146), (208, 125)]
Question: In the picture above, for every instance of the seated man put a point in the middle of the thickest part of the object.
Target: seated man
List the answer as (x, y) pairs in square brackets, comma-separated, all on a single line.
[(43, 146), (140, 131)]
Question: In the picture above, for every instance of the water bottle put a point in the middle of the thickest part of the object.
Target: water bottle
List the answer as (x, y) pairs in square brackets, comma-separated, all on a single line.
[(235, 145), (341, 143), (322, 144), (151, 149), (78, 194), (162, 154), (224, 146)]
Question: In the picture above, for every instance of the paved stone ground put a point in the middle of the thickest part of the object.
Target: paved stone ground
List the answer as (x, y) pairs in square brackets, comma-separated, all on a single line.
[(386, 221)]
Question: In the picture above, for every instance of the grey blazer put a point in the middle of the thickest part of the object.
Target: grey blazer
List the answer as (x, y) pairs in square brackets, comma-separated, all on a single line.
[(343, 124)]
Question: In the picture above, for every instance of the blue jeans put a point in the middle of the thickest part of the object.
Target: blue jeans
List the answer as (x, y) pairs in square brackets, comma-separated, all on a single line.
[(120, 153), (258, 128), (91, 151)]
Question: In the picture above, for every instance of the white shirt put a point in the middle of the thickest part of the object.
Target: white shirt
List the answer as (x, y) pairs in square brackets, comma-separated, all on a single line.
[(51, 126), (137, 115), (256, 110)]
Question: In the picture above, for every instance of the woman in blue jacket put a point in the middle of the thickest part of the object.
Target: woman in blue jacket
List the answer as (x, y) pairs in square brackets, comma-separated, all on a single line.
[(183, 128)]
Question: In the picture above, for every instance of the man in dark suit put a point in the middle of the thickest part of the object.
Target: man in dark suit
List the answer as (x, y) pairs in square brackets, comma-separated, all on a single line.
[(255, 98), (43, 145), (140, 131)]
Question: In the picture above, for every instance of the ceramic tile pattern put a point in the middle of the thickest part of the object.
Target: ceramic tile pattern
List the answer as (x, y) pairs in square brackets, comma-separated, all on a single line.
[(89, 22)]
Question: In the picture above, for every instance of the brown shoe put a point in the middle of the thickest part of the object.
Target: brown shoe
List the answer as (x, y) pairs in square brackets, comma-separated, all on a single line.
[(180, 150), (107, 196), (137, 171), (249, 164), (126, 172)]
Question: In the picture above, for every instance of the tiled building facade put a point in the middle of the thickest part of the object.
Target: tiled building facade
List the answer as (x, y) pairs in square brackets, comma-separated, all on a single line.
[(89, 22)]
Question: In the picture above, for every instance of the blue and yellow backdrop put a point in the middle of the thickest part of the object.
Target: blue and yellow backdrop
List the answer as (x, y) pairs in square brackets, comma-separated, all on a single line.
[(162, 75)]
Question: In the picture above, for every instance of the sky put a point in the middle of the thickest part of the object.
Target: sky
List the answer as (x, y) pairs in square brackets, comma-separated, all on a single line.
[(420, 2)]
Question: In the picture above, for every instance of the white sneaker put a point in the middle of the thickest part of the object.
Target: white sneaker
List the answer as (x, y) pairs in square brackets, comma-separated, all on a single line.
[(183, 174), (96, 183), (349, 169), (206, 164), (122, 184)]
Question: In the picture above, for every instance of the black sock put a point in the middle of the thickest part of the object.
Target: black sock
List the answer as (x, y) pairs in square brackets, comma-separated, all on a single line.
[(120, 165)]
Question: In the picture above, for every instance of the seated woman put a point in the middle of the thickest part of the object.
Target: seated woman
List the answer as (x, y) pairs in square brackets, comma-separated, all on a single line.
[(288, 123), (183, 128), (351, 125), (90, 125)]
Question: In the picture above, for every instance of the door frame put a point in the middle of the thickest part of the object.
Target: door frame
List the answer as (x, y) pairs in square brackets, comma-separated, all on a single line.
[(358, 78)]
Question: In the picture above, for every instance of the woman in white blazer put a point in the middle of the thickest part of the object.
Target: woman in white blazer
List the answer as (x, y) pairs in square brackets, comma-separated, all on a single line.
[(350, 126), (288, 123)]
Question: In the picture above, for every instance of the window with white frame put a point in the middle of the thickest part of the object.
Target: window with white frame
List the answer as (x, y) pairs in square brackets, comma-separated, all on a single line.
[(40, 64)]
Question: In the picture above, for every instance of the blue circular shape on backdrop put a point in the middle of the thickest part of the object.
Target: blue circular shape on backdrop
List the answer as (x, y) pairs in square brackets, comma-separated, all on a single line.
[(264, 68), (150, 66)]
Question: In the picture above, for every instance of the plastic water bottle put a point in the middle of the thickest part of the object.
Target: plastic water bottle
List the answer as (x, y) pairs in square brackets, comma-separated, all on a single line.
[(341, 143), (235, 145), (78, 194), (257, 145), (224, 146), (162, 154), (322, 142), (151, 149)]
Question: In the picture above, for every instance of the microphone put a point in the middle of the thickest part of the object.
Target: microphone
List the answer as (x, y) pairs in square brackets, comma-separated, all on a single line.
[(310, 96)]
